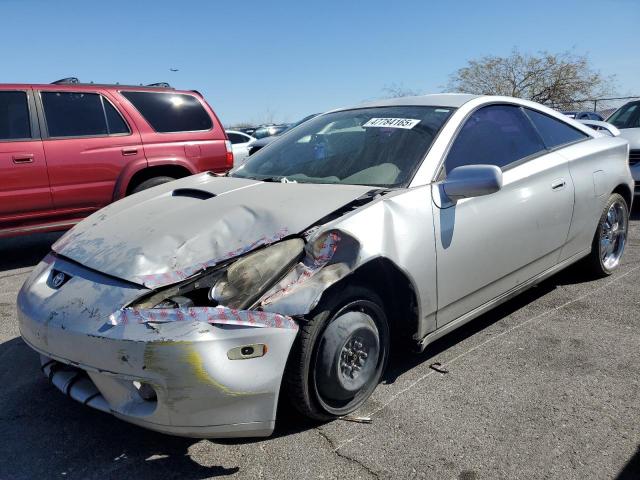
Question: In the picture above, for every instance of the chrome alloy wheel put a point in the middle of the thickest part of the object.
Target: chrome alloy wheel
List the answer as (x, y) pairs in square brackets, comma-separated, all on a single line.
[(613, 235)]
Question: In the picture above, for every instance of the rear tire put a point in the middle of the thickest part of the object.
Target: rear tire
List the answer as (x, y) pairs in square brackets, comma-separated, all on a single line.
[(610, 238), (152, 182), (340, 354)]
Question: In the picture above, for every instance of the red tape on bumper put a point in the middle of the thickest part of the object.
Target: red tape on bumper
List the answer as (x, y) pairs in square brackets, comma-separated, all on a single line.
[(213, 315)]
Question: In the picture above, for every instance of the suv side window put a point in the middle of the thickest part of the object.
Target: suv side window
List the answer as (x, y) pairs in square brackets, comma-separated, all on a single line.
[(115, 122), (74, 114), (80, 114), (170, 112), (554, 133), (494, 135), (15, 123)]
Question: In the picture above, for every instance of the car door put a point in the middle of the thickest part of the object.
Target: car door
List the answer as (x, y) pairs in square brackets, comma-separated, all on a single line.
[(87, 143), (486, 246), (24, 185)]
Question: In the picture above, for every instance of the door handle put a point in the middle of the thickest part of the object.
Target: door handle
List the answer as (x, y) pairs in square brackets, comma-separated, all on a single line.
[(558, 184), (23, 158), (127, 152)]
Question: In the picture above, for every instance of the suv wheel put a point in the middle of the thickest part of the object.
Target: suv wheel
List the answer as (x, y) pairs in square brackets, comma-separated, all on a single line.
[(152, 182)]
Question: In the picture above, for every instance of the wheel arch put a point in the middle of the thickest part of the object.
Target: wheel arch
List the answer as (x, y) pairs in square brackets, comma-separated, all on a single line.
[(395, 289), (625, 192), (175, 171)]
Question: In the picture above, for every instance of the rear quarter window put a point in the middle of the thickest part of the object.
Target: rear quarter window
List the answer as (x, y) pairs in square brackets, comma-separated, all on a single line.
[(554, 133), (171, 112)]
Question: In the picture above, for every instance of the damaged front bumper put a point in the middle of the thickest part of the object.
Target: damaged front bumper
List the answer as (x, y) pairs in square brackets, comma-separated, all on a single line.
[(178, 377)]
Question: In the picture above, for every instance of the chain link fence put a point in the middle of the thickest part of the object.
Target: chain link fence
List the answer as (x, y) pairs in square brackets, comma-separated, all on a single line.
[(604, 106)]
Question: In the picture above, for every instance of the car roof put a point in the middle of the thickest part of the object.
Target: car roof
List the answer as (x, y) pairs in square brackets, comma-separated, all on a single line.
[(453, 100)]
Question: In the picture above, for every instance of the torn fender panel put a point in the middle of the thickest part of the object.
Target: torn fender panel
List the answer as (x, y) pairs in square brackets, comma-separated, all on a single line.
[(389, 227), (329, 256), (212, 315), (161, 233)]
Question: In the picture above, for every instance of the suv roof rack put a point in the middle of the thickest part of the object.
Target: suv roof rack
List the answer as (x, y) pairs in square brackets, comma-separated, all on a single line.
[(66, 81), (75, 81)]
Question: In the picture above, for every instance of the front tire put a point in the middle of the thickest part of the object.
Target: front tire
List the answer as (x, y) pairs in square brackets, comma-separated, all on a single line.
[(340, 355), (610, 237)]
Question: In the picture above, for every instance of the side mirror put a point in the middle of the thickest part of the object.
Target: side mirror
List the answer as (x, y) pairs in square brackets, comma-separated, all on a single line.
[(472, 181)]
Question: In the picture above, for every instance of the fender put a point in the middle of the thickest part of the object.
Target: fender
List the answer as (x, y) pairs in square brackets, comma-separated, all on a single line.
[(126, 174)]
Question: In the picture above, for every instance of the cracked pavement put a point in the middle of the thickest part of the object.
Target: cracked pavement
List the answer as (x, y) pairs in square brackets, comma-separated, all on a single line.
[(545, 386)]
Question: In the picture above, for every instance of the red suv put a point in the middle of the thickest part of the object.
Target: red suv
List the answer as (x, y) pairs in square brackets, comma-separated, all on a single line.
[(68, 149)]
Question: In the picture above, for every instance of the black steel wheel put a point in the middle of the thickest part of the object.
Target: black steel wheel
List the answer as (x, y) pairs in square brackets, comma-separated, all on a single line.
[(340, 355)]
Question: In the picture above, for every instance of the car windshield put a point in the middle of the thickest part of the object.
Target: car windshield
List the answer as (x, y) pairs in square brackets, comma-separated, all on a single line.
[(627, 116), (381, 146)]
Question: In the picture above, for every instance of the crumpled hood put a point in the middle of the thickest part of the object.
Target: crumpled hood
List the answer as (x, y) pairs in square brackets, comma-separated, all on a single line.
[(194, 222)]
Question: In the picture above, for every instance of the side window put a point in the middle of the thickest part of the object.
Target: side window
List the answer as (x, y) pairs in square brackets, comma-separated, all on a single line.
[(170, 112), (494, 135), (71, 114), (555, 133), (237, 138), (115, 122), (14, 116)]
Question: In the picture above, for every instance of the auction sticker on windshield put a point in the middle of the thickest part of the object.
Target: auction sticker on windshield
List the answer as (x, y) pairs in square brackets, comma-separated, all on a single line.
[(407, 123)]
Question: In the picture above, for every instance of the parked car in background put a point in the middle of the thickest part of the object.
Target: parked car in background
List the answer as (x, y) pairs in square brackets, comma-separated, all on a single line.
[(263, 142), (584, 115), (240, 143), (403, 218), (247, 130), (269, 130), (68, 149), (627, 120)]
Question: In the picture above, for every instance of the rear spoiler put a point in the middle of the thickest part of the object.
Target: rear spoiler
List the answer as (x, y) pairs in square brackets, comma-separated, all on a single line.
[(602, 127)]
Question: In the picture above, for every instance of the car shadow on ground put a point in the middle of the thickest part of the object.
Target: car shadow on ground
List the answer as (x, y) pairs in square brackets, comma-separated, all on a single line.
[(45, 434), (26, 250), (631, 470)]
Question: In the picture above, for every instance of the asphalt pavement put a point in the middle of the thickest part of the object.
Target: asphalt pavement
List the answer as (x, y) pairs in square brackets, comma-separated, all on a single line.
[(545, 386)]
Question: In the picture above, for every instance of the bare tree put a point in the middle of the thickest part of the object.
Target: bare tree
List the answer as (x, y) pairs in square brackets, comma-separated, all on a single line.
[(397, 91), (555, 79)]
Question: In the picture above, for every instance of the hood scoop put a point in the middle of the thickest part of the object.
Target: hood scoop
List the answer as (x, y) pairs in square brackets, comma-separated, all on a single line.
[(193, 193)]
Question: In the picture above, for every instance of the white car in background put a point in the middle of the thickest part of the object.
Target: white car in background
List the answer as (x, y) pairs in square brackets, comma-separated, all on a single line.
[(240, 143), (627, 119)]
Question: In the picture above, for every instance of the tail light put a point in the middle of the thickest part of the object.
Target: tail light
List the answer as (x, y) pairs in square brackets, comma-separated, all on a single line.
[(227, 144)]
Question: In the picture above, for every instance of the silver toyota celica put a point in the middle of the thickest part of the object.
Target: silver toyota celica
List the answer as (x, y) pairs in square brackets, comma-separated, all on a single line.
[(189, 307)]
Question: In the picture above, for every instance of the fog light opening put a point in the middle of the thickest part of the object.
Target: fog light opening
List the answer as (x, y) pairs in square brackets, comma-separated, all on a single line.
[(244, 352), (145, 391)]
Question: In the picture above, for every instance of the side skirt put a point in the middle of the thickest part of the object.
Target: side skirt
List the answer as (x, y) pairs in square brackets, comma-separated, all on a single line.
[(476, 312)]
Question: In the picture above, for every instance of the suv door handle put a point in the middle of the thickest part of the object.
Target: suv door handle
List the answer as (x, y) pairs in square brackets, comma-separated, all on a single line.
[(127, 152), (558, 184), (23, 158)]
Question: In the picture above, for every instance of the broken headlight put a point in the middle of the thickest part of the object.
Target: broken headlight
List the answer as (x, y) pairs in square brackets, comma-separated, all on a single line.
[(238, 285), (247, 279)]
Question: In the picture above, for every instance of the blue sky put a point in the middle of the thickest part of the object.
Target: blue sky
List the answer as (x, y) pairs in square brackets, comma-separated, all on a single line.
[(287, 59)]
